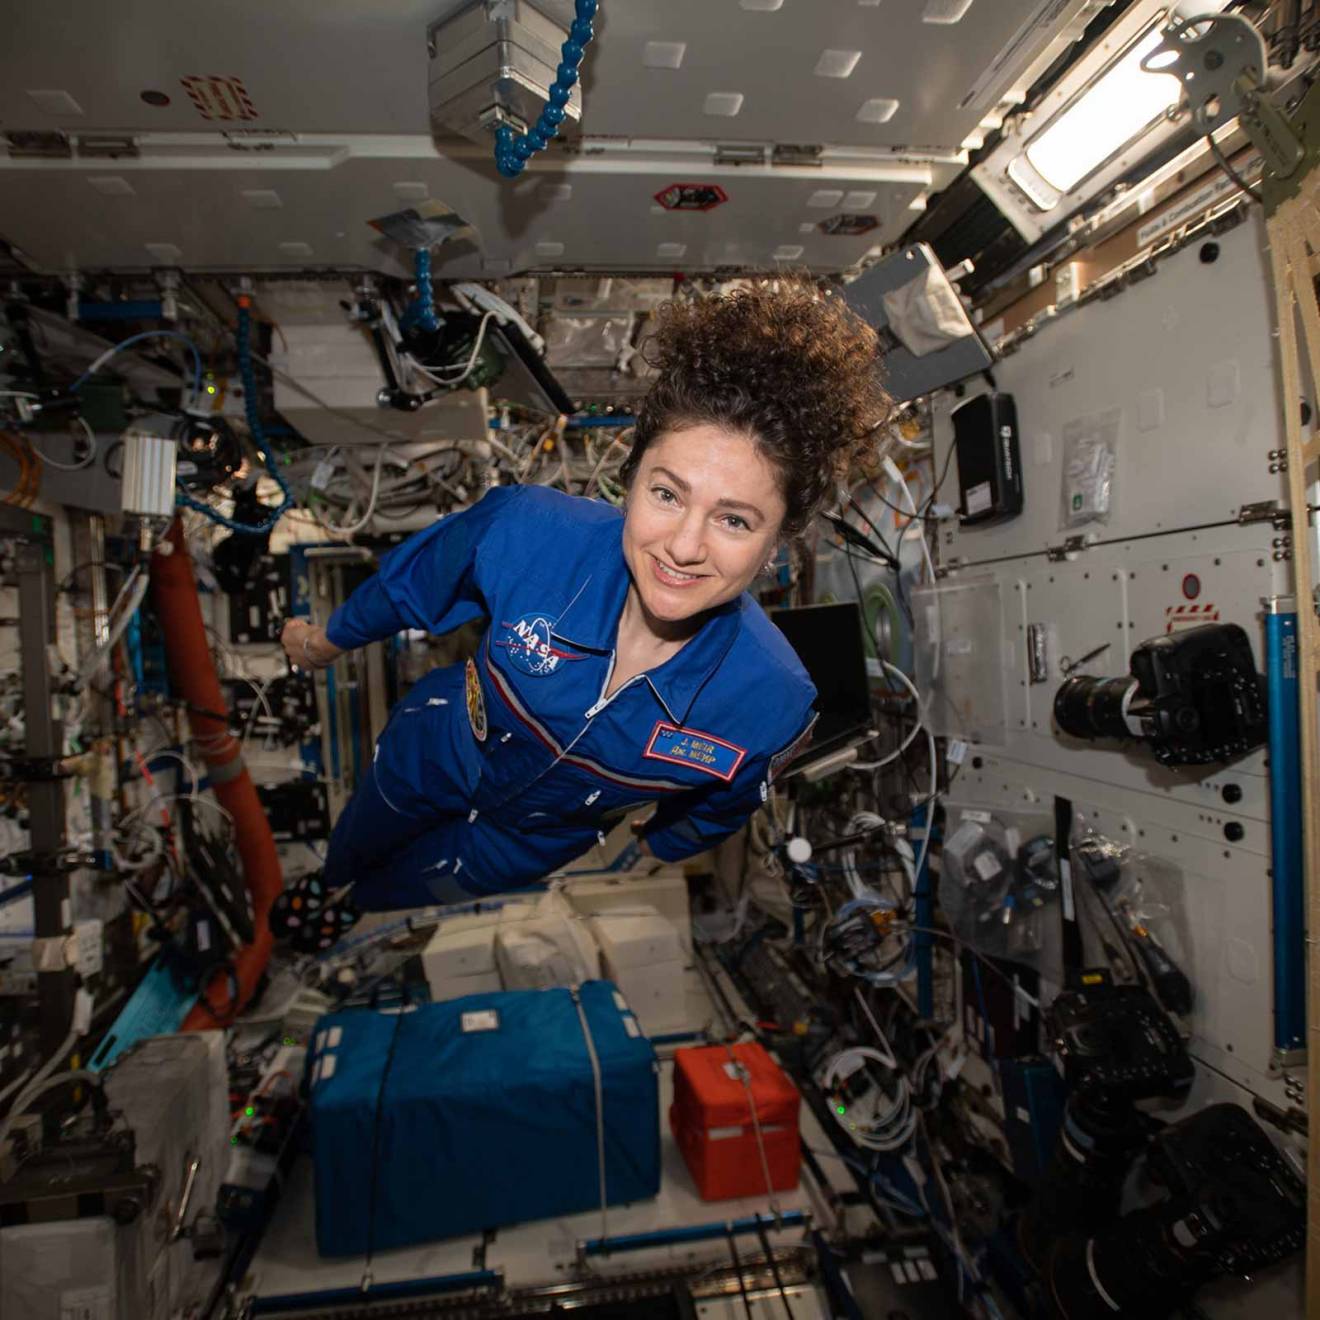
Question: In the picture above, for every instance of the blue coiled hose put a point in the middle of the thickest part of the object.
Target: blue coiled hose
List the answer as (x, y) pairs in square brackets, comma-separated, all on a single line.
[(249, 378), (513, 152)]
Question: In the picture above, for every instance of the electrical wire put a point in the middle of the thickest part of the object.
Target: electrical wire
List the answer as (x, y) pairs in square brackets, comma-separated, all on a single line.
[(258, 706), (67, 467), (32, 1088), (352, 529), (884, 1124), (1226, 165), (125, 606), (191, 770), (134, 339), (959, 945), (444, 382), (891, 469)]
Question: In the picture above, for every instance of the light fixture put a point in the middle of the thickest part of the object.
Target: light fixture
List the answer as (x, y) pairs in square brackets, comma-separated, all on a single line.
[(1124, 102), (1102, 117)]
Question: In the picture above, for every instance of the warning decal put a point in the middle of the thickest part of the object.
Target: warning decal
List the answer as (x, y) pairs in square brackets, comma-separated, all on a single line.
[(1178, 617), (217, 96)]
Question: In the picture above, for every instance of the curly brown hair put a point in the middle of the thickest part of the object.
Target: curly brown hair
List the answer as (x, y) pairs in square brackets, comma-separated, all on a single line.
[(787, 364)]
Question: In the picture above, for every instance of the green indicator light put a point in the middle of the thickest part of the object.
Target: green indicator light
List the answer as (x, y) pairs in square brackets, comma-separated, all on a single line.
[(841, 1110), (249, 1111)]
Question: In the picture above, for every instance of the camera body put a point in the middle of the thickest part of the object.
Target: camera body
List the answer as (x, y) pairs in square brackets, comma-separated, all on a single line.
[(1118, 1047), (1231, 1205), (1194, 696), (1115, 1040)]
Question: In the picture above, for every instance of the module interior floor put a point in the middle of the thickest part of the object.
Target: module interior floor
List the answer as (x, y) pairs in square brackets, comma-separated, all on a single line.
[(542, 1252)]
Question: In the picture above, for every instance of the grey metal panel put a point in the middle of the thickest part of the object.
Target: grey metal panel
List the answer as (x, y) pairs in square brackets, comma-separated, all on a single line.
[(1188, 357), (1199, 335)]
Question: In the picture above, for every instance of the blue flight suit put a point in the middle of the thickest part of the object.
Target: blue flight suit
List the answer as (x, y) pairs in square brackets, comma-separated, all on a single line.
[(490, 776)]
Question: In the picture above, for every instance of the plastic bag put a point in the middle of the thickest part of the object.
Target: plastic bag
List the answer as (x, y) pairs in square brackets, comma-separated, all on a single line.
[(1136, 892), (999, 883), (1090, 455)]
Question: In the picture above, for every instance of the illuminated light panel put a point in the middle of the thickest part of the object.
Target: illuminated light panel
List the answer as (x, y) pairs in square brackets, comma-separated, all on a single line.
[(1107, 116)]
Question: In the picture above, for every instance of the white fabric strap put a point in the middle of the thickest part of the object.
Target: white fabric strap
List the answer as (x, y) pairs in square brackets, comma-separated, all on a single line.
[(741, 1073), (600, 1110)]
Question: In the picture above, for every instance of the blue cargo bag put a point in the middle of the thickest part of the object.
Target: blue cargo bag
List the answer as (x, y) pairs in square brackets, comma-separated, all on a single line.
[(450, 1118)]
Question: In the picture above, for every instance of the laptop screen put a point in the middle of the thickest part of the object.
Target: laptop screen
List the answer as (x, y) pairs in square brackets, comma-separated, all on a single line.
[(828, 640)]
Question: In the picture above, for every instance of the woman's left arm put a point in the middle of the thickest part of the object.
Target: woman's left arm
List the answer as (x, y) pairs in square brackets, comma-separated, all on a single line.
[(689, 823)]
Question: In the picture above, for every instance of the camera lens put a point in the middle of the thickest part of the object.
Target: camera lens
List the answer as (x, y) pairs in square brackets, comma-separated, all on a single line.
[(1089, 707)]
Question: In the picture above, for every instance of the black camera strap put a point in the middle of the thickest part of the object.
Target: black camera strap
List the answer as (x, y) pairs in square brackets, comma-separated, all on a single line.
[(1073, 953)]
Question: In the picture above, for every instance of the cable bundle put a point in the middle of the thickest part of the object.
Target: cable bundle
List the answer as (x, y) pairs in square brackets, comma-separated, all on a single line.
[(866, 938), (875, 1113)]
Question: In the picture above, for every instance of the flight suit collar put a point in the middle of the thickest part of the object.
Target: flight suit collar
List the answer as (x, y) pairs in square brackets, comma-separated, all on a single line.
[(590, 621)]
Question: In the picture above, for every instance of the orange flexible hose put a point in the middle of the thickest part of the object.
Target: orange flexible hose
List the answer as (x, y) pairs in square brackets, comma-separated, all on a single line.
[(193, 679)]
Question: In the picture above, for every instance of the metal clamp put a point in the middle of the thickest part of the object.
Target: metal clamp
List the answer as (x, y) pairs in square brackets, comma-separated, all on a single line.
[(1074, 545), (1262, 511)]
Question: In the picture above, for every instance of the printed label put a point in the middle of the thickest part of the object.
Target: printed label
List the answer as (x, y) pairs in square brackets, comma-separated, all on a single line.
[(702, 751), (485, 1019)]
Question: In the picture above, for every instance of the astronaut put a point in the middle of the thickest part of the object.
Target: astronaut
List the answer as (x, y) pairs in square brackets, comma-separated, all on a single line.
[(623, 662)]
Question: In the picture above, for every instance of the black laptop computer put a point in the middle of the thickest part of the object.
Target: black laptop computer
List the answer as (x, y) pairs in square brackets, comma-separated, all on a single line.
[(829, 641)]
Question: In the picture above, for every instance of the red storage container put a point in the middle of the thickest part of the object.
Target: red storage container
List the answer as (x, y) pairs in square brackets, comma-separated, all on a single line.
[(711, 1119)]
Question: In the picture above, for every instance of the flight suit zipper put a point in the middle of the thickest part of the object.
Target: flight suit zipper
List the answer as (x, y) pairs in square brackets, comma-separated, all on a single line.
[(592, 711)]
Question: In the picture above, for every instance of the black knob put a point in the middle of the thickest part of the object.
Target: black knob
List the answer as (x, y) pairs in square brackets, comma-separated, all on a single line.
[(1232, 794), (1234, 831)]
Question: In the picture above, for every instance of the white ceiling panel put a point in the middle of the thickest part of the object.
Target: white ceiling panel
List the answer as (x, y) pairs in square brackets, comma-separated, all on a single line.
[(338, 66), (576, 216), (329, 126)]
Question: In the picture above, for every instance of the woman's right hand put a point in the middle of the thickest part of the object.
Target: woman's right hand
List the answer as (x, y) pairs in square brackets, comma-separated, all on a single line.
[(307, 646)]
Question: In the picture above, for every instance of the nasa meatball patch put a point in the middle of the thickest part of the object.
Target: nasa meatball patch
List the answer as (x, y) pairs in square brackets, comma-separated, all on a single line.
[(530, 646)]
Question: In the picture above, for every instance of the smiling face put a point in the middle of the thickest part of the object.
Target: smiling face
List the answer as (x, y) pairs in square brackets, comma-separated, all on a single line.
[(703, 515)]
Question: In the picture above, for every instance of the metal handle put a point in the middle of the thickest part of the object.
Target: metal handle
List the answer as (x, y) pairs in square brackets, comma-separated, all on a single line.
[(189, 1180)]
